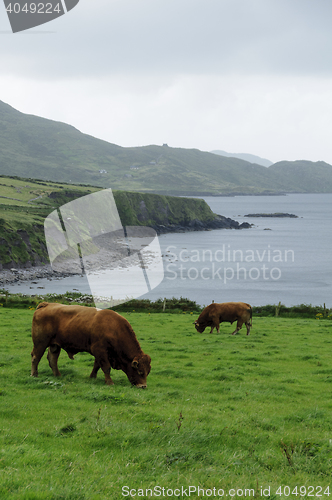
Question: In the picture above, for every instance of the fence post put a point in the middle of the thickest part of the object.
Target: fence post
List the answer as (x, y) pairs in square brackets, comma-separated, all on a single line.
[(164, 304), (278, 309)]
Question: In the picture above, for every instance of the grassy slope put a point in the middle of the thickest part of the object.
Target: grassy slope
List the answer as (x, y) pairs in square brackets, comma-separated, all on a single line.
[(37, 147), (190, 171), (160, 209), (218, 412), (59, 152), (22, 222), (301, 174), (24, 204)]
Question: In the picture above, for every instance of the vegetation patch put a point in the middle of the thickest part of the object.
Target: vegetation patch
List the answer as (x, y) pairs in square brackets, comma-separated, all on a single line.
[(175, 305)]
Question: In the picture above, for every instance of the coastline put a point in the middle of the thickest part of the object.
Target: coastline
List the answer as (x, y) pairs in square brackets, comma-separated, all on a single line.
[(18, 273), (219, 222)]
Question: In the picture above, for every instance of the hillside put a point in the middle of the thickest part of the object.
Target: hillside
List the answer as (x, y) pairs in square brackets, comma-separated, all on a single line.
[(301, 174), (24, 204), (39, 148), (244, 156), (35, 147)]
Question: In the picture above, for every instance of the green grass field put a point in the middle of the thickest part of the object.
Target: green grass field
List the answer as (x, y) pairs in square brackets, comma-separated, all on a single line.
[(245, 415)]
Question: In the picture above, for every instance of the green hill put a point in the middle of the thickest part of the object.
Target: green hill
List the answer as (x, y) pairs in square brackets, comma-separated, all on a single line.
[(35, 147), (304, 176)]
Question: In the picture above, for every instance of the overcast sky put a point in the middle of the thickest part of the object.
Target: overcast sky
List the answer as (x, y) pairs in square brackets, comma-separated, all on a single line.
[(244, 76)]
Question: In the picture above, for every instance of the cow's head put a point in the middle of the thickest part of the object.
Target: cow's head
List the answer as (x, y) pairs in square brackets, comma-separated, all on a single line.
[(199, 327), (138, 370)]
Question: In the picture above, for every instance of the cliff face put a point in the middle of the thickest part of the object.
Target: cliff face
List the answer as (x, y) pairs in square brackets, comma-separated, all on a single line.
[(167, 214), (22, 240), (153, 209), (22, 248)]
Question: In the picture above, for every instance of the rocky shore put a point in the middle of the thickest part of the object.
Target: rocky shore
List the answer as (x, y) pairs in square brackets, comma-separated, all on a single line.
[(14, 275), (220, 222), (19, 273)]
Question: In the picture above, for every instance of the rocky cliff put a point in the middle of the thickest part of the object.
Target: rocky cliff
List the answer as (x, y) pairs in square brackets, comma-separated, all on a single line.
[(22, 240)]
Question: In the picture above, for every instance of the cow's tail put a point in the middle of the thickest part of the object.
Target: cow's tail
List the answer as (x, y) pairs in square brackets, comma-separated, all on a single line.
[(42, 304), (250, 316)]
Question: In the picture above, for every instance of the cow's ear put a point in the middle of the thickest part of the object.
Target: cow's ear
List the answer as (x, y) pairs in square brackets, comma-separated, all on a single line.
[(134, 364), (195, 322)]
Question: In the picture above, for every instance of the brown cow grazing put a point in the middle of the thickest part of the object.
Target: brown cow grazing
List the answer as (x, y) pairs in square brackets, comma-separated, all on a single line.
[(103, 333), (214, 314)]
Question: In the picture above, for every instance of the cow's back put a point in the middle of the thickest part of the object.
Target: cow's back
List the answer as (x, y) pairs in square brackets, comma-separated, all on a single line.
[(82, 326), (52, 320), (244, 310), (233, 309)]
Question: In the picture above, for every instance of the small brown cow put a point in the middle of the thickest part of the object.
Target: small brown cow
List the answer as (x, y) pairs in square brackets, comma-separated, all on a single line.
[(103, 333), (214, 314)]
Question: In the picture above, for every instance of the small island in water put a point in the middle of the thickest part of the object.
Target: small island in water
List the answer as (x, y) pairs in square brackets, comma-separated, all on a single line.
[(277, 214)]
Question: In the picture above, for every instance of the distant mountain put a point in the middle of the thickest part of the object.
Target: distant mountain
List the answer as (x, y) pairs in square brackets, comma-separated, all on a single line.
[(34, 147), (304, 176), (244, 156)]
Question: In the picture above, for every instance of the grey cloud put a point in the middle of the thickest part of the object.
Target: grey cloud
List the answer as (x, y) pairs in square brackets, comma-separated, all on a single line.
[(178, 36)]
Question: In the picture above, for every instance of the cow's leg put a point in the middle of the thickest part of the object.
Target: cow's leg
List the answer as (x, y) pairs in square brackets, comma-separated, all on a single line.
[(52, 356), (215, 323), (95, 369), (102, 361), (248, 327), (238, 327), (36, 355)]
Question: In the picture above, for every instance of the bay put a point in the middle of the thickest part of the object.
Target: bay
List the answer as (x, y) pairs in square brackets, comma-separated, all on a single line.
[(278, 259)]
